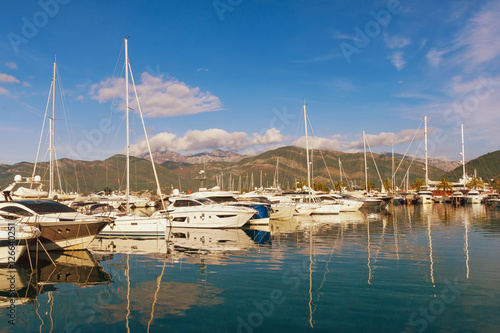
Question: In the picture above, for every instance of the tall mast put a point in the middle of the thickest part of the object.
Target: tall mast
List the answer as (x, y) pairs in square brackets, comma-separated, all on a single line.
[(463, 154), (127, 120), (366, 167), (340, 169), (392, 174), (307, 151), (426, 163), (52, 132)]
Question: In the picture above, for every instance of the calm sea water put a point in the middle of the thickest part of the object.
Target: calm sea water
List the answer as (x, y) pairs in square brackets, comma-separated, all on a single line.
[(410, 269)]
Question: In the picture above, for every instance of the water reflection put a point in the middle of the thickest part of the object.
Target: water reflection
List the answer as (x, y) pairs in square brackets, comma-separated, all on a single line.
[(355, 272), (44, 273)]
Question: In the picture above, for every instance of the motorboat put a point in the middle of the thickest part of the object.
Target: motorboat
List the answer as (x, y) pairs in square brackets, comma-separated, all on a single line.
[(424, 197), (190, 212), (61, 227), (473, 197), (282, 208), (347, 203), (457, 198), (135, 225), (261, 213)]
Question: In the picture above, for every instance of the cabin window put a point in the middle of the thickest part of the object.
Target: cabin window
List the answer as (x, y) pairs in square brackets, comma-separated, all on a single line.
[(14, 210)]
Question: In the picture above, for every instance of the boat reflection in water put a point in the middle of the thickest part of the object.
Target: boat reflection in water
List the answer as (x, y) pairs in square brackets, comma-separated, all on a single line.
[(33, 279), (208, 240)]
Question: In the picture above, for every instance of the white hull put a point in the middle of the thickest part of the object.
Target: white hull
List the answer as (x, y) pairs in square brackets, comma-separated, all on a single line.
[(282, 211), (425, 200), (210, 217), (263, 221), (350, 205), (132, 225), (19, 234), (304, 209), (472, 200), (327, 209)]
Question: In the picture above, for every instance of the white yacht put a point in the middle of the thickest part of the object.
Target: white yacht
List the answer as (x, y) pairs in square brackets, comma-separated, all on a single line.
[(304, 207), (261, 210), (347, 203), (282, 208), (473, 197), (189, 212), (424, 197), (61, 227)]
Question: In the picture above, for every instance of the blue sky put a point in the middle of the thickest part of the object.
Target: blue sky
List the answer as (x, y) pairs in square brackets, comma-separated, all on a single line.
[(233, 75)]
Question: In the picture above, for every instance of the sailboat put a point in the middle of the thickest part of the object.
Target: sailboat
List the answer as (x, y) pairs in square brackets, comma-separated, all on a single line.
[(131, 224), (306, 205), (424, 196), (32, 187)]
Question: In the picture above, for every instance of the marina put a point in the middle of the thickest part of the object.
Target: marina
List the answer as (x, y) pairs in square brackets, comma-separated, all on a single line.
[(250, 166)]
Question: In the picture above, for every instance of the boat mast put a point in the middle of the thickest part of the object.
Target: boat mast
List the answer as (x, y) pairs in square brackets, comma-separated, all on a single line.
[(426, 162), (392, 174), (52, 132), (307, 151), (463, 154), (340, 169), (366, 167), (127, 193)]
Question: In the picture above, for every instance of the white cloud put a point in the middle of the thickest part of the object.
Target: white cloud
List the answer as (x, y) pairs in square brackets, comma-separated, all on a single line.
[(480, 35), (476, 43), (396, 42), (8, 78), (397, 60), (435, 57), (414, 95), (80, 98), (159, 97), (214, 138), (384, 139), (11, 65), (3, 91), (26, 84)]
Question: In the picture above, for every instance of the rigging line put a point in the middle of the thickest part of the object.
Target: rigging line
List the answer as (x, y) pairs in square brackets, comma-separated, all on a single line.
[(411, 163), (147, 140), (321, 152), (412, 139), (41, 133), (376, 167)]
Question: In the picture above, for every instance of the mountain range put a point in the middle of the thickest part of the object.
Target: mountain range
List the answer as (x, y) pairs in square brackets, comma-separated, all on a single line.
[(217, 155), (89, 176)]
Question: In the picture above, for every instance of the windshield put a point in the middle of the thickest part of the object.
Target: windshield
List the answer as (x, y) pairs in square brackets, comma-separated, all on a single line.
[(46, 207), (221, 199), (205, 201)]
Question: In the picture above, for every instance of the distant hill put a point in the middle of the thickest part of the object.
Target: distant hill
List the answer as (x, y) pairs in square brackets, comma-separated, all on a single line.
[(217, 155), (486, 166), (87, 176)]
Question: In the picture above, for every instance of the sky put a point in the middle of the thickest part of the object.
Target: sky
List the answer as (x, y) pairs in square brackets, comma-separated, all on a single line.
[(234, 75)]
